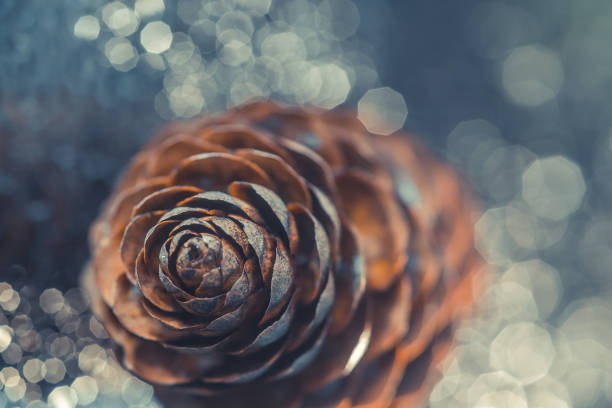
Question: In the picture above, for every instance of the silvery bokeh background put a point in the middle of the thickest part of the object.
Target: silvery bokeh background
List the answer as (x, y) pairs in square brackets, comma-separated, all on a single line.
[(516, 94)]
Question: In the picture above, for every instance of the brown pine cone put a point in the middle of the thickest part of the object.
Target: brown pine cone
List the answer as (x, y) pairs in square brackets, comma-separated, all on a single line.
[(277, 256)]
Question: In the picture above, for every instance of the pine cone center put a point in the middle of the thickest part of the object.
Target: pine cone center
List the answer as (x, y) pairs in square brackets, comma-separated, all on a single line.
[(198, 262)]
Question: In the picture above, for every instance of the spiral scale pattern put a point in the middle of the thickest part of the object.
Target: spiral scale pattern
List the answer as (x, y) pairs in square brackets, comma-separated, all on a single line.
[(276, 256)]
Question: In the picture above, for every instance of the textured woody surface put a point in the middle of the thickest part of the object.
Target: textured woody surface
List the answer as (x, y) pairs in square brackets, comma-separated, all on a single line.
[(279, 256)]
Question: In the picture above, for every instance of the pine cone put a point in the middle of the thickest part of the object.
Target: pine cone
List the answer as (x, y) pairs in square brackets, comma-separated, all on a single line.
[(277, 256)]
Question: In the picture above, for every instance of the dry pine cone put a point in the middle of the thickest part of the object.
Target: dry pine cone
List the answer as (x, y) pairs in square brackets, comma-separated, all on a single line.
[(277, 256)]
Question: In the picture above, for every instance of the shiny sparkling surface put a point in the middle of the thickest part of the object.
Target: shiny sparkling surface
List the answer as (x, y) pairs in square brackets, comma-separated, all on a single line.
[(300, 51), (68, 368), (515, 94), (534, 341), (382, 111)]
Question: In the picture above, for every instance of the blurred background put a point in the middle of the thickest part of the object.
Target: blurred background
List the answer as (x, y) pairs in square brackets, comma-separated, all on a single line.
[(515, 93)]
